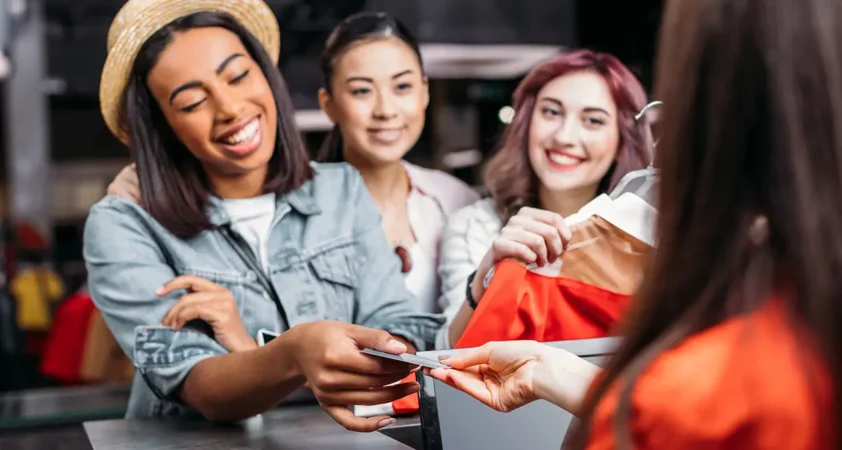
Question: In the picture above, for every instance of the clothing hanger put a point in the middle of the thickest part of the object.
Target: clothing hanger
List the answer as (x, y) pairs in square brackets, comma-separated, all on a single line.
[(640, 182), (631, 208)]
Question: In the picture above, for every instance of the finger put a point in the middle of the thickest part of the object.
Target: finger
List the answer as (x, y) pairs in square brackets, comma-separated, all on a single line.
[(533, 241), (541, 215), (343, 416), (553, 240), (190, 282), (346, 381), (188, 313), (550, 218), (369, 365), (129, 176), (189, 301), (469, 358), (378, 340), (376, 396), (470, 383), (566, 232), (515, 250)]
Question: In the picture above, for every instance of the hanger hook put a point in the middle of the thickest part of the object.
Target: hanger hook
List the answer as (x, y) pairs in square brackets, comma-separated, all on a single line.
[(647, 108)]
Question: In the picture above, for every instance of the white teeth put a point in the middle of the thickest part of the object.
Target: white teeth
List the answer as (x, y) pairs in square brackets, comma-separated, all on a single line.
[(387, 135), (247, 133), (563, 160)]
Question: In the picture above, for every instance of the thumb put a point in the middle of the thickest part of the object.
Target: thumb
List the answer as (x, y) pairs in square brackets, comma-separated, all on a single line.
[(380, 340)]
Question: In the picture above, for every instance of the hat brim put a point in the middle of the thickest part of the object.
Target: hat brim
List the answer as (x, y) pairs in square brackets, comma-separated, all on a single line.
[(254, 15)]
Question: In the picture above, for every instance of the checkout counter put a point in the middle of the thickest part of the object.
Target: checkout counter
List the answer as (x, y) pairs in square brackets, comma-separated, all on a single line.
[(91, 419), (448, 420)]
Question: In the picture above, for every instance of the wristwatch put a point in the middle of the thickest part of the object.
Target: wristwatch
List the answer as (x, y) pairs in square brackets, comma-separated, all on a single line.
[(469, 291)]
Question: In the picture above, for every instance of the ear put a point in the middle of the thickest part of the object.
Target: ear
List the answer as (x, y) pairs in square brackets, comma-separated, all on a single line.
[(326, 103), (426, 87)]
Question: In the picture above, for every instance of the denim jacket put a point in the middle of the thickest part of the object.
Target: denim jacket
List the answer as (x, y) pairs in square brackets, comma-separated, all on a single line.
[(328, 260)]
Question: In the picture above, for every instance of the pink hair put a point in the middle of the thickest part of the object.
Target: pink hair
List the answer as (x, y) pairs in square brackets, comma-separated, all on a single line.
[(509, 176)]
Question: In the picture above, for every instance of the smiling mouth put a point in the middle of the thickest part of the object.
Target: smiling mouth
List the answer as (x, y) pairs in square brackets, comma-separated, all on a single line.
[(386, 135), (244, 141), (563, 160)]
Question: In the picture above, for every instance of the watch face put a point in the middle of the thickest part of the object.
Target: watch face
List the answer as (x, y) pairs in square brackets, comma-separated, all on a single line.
[(488, 276)]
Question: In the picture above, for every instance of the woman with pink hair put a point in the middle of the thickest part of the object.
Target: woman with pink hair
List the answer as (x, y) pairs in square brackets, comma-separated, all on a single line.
[(573, 137)]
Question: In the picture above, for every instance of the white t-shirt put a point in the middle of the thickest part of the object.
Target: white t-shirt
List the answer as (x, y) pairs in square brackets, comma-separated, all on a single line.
[(252, 219), (422, 280)]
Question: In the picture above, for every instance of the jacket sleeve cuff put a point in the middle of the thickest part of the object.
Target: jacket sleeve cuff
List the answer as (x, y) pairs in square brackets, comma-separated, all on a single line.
[(419, 329), (164, 357)]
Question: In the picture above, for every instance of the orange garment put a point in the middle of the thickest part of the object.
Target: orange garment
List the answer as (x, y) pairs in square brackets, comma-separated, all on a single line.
[(409, 404), (520, 304), (746, 384)]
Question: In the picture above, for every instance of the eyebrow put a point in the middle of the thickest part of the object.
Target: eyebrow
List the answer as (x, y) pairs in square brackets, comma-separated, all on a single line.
[(198, 84), (370, 80), (588, 109)]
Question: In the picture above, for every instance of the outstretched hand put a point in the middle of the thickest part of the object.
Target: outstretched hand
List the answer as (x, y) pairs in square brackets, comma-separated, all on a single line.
[(499, 374)]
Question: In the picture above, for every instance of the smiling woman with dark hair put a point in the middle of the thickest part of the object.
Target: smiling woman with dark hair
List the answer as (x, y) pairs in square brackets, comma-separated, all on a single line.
[(376, 92), (238, 232)]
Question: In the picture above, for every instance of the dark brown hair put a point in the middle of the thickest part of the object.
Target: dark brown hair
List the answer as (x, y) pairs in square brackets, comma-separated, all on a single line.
[(509, 176), (354, 29), (751, 129), (173, 184)]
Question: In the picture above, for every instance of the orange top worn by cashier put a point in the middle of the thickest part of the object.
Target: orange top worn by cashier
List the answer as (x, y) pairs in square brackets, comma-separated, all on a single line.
[(763, 389)]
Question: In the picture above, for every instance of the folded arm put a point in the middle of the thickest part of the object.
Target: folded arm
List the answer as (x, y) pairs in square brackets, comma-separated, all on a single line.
[(126, 267)]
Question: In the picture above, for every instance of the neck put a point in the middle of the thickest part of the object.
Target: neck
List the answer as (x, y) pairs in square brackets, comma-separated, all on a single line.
[(387, 183), (566, 202), (239, 186)]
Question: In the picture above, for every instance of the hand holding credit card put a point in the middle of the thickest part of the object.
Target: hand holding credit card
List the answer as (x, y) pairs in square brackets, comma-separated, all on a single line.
[(408, 358)]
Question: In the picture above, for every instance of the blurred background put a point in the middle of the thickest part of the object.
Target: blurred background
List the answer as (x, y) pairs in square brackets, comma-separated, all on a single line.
[(57, 157)]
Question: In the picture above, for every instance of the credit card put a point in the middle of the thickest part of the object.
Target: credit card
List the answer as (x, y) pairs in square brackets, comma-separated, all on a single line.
[(409, 359)]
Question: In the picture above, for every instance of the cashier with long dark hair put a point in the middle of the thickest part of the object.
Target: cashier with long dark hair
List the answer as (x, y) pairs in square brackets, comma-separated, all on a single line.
[(734, 340)]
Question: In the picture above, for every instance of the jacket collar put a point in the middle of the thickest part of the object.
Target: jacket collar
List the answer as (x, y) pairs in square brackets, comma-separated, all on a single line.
[(301, 200)]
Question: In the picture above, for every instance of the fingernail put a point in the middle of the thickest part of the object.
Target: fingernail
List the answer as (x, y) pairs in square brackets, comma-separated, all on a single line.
[(160, 291), (386, 422), (443, 358), (396, 346)]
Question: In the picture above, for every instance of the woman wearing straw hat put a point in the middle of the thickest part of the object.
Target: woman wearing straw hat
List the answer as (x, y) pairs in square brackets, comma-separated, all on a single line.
[(238, 231)]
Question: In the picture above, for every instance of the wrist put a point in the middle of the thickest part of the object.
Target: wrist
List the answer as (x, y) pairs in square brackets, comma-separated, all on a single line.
[(286, 348), (543, 381), (563, 378), (244, 343), (480, 283)]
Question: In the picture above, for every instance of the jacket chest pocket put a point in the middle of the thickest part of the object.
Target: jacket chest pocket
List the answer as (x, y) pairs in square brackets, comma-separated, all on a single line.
[(335, 273)]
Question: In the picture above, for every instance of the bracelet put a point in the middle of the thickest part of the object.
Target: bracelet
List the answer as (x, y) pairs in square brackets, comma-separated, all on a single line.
[(469, 294)]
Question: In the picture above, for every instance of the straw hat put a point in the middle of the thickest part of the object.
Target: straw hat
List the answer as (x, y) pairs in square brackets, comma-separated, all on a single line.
[(138, 20)]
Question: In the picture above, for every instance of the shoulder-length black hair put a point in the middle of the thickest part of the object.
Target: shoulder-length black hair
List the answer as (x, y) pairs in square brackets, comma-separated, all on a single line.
[(173, 185)]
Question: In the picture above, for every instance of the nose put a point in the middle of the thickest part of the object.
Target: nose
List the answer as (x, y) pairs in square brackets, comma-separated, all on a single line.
[(567, 133), (229, 107), (384, 109)]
